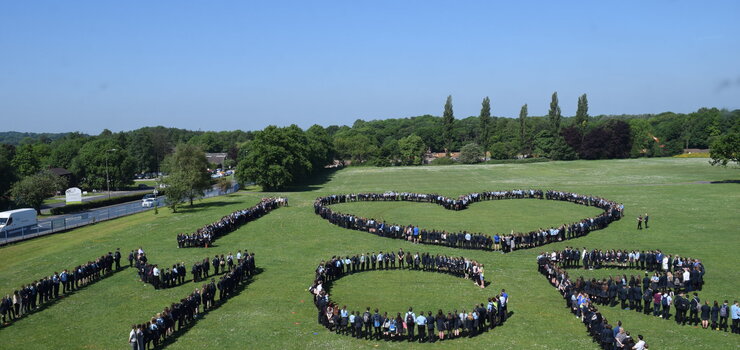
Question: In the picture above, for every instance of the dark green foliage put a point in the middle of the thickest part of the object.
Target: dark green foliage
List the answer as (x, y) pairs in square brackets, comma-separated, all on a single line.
[(7, 172), (581, 119), (278, 157), (554, 114), (725, 149), (412, 150), (503, 150), (484, 131), (100, 158), (448, 123), (525, 148), (443, 161)]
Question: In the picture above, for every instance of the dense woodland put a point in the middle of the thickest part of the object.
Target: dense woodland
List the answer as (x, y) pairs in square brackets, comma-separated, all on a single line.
[(275, 157)]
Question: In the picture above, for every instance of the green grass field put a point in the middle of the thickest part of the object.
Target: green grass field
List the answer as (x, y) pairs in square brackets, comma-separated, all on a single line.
[(689, 216)]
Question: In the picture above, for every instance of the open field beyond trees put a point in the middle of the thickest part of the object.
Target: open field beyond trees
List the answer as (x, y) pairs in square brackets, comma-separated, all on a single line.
[(690, 216)]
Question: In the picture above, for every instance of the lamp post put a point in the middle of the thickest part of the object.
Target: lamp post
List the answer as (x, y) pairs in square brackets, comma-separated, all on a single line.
[(107, 179)]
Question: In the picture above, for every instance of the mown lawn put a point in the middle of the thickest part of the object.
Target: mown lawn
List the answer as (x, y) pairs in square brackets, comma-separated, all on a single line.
[(690, 216)]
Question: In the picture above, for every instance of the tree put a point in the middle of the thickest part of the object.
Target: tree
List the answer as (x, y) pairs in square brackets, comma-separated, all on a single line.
[(320, 146), (525, 149), (484, 132), (100, 159), (412, 149), (581, 120), (725, 149), (471, 153), (188, 171), (32, 190), (503, 150), (553, 114), (275, 158), (30, 158), (448, 123), (7, 171)]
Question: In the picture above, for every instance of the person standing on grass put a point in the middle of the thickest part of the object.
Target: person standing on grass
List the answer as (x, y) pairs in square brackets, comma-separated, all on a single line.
[(132, 338), (715, 315), (705, 310), (645, 218), (724, 312), (735, 313), (639, 222)]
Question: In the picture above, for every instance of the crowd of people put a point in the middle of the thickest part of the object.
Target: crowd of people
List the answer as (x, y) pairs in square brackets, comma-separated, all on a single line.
[(410, 326), (670, 272), (32, 296), (651, 294), (204, 236), (468, 240), (181, 315)]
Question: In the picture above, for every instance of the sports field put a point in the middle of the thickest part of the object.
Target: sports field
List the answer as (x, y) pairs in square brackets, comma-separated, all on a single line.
[(689, 216)]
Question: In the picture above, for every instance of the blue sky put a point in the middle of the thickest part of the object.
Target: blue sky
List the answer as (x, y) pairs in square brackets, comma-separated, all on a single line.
[(222, 65)]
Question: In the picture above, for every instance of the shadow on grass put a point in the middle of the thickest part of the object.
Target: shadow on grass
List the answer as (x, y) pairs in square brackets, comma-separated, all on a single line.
[(726, 182), (200, 206), (61, 297), (314, 182), (203, 315)]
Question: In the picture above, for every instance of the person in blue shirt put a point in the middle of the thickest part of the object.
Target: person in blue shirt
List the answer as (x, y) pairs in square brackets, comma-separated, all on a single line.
[(735, 313), (421, 323)]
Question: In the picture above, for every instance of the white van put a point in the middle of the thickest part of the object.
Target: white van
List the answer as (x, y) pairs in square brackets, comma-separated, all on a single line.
[(16, 219)]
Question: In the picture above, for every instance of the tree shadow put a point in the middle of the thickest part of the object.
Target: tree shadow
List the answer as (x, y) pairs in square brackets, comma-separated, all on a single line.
[(313, 182), (48, 304), (200, 206), (203, 315), (726, 182)]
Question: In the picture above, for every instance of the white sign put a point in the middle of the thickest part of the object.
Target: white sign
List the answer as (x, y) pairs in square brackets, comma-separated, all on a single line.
[(74, 195)]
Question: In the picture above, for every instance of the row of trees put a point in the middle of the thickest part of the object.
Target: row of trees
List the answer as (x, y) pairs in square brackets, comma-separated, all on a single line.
[(553, 136), (275, 157)]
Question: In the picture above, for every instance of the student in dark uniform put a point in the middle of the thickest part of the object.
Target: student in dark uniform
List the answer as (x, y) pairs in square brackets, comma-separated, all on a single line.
[(705, 310)]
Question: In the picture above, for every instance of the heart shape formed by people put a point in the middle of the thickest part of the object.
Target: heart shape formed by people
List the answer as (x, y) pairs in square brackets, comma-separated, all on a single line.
[(612, 211)]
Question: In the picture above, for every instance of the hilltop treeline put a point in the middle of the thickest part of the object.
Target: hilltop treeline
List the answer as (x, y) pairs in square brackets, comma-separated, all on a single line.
[(275, 157)]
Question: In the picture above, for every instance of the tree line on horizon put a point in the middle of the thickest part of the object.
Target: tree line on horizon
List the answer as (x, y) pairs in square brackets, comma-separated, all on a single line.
[(278, 156)]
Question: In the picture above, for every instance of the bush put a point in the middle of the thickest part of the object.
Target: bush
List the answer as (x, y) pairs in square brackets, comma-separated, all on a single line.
[(442, 161), (73, 208)]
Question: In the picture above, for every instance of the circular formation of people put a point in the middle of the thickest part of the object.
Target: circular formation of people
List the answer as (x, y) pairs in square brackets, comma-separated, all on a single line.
[(669, 281)]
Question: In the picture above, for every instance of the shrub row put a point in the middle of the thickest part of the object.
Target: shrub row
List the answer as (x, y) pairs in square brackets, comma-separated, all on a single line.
[(72, 208)]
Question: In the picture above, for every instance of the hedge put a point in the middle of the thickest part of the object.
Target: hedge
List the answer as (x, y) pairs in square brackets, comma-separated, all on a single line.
[(72, 208)]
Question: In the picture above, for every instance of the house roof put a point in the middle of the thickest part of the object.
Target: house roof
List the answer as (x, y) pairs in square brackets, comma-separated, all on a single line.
[(216, 158), (60, 171)]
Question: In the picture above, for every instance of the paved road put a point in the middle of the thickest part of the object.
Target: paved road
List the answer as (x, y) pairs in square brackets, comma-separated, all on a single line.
[(69, 221)]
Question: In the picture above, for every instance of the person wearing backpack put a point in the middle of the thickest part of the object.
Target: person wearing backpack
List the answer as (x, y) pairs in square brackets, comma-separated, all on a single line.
[(724, 311), (409, 321), (694, 314), (377, 323), (367, 322)]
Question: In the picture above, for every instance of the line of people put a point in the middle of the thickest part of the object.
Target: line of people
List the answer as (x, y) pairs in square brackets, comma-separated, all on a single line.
[(407, 326), (204, 236), (179, 316), (608, 336), (670, 271), (30, 297), (468, 240)]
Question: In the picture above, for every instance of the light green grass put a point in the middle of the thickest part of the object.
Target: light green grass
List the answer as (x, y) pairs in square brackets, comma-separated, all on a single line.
[(688, 217)]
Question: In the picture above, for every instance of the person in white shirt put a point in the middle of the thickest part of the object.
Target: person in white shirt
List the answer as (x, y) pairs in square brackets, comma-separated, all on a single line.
[(132, 338), (641, 345)]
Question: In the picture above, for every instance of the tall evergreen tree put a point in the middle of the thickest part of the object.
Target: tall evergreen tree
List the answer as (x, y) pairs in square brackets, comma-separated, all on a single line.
[(582, 113), (485, 124), (523, 129), (448, 122), (554, 115)]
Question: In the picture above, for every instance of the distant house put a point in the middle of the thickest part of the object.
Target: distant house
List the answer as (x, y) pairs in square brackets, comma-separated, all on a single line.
[(217, 158), (63, 173)]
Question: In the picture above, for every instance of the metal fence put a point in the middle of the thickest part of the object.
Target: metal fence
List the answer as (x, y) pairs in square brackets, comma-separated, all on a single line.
[(70, 221)]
